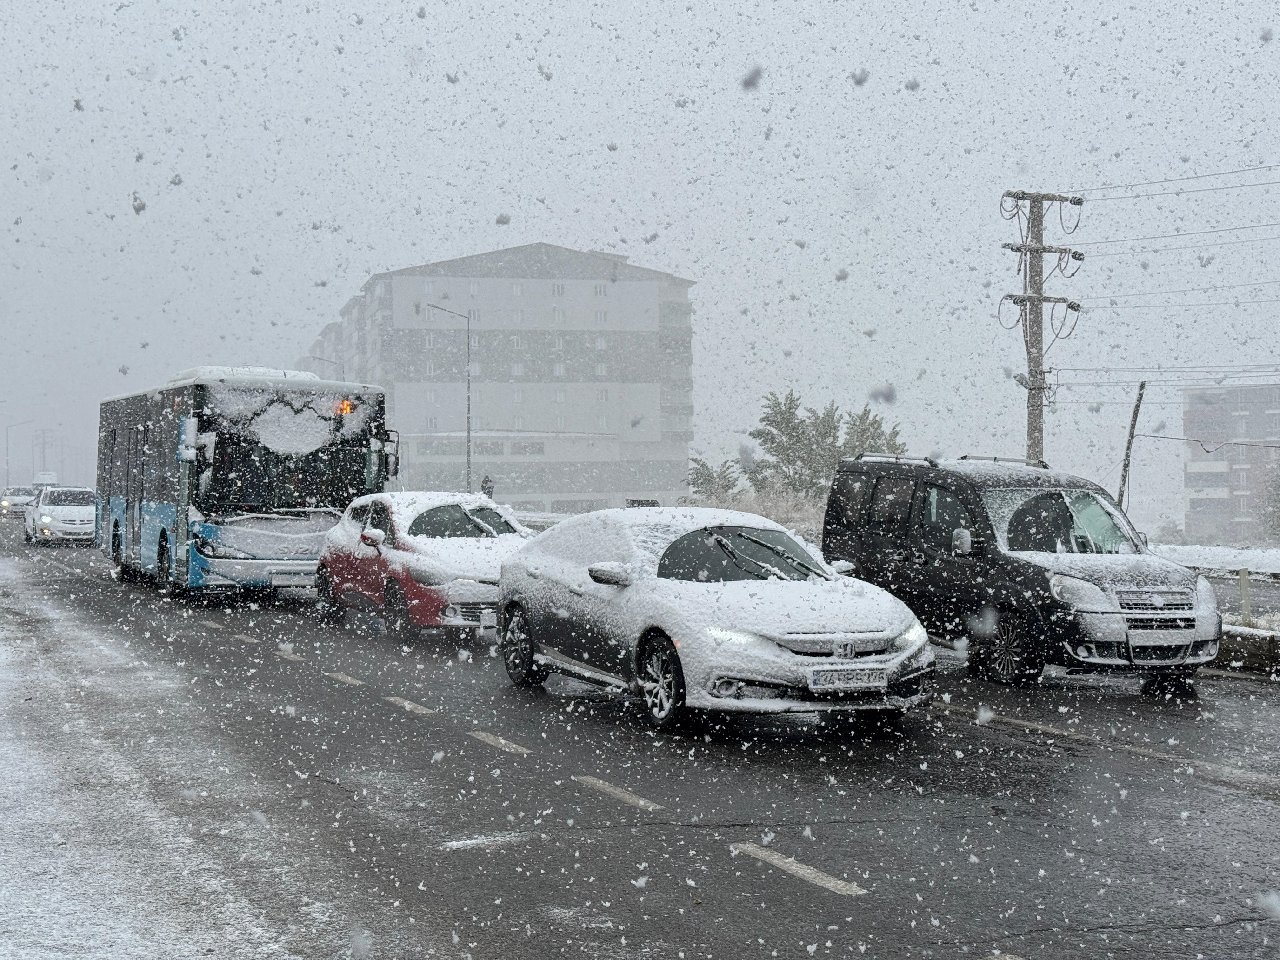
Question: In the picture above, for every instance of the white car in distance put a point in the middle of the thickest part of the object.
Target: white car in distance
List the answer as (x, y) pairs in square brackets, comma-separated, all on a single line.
[(61, 515), (706, 609)]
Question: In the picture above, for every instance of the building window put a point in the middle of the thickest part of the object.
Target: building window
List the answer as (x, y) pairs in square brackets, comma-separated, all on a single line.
[(431, 423), (517, 369), (431, 338), (519, 422), (602, 289), (560, 421), (517, 395), (602, 369), (602, 316), (515, 289), (557, 289), (474, 314), (602, 395), (558, 370), (517, 317), (557, 315), (601, 344), (431, 396), (475, 340), (428, 287), (433, 368), (559, 342), (517, 342), (527, 448), (603, 422), (473, 287), (488, 448), (559, 394)]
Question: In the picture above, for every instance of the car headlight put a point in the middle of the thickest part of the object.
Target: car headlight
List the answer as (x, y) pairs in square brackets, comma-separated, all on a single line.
[(4, 503), (721, 635), (44, 519), (1206, 596), (910, 638), (1080, 594), (427, 577)]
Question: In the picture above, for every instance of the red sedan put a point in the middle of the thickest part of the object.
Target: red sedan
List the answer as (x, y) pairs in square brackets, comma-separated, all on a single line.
[(418, 560)]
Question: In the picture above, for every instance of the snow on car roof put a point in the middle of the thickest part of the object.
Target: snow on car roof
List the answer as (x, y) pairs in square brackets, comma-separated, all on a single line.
[(653, 529), (407, 504), (1003, 473), (268, 377)]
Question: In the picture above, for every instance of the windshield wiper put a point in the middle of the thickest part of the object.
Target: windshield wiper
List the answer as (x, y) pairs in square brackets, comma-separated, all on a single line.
[(726, 547), (481, 524), (778, 551)]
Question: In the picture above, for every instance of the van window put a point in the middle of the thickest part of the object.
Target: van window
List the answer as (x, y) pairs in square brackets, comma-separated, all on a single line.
[(890, 504), (941, 514), (847, 494)]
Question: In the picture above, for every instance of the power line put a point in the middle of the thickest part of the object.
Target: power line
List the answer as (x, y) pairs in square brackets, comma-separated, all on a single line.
[(1167, 293), (1174, 236), (1179, 193), (1193, 246), (1219, 443), (1179, 306), (1198, 176), (1167, 369)]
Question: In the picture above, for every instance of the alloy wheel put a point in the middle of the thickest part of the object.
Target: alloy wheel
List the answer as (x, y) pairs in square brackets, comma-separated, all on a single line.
[(661, 680), (517, 651)]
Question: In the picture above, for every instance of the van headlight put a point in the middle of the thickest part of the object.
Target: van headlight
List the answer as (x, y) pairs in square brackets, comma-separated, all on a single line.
[(1080, 594), (1206, 596)]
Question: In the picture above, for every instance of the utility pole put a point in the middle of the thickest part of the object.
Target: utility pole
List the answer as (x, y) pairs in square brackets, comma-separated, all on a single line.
[(1032, 302), (1128, 445)]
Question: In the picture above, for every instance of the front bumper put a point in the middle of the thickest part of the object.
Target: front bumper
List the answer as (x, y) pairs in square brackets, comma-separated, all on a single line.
[(458, 603), (15, 511), (766, 678), (1145, 643), (291, 577), (70, 532)]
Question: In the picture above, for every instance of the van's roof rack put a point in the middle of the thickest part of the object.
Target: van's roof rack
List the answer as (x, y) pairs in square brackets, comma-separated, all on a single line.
[(1041, 463), (894, 458)]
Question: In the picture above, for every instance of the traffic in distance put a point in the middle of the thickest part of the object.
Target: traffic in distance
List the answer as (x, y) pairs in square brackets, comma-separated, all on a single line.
[(245, 479)]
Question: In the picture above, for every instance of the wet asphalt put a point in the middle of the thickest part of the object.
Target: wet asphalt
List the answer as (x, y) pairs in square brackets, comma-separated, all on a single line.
[(436, 811)]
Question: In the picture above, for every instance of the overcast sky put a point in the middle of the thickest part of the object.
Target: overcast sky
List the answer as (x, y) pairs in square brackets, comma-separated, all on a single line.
[(285, 151)]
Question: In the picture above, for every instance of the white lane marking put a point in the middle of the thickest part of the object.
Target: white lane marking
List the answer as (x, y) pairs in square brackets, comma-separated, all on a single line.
[(408, 705), (210, 625), (286, 655), (345, 678), (246, 638), (845, 888), (486, 843), (1220, 772), (493, 740), (618, 793)]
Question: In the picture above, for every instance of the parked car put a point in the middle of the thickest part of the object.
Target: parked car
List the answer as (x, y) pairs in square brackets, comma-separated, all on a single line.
[(1029, 565), (706, 609), (61, 514), (418, 559), (14, 500)]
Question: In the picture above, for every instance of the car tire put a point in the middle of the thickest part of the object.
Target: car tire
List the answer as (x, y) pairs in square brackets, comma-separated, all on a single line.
[(395, 613), (518, 646), (1011, 654), (329, 609), (661, 681), (26, 535)]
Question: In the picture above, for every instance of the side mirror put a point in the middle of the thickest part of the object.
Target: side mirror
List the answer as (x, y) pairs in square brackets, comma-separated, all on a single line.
[(1143, 539), (373, 537), (843, 567), (393, 465), (187, 452), (612, 574), (961, 542)]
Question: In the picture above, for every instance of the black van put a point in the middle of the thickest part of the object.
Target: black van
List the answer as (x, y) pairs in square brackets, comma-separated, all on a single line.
[(1028, 565)]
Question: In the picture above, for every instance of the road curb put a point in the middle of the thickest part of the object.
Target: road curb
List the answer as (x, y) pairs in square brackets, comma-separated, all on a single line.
[(1250, 650)]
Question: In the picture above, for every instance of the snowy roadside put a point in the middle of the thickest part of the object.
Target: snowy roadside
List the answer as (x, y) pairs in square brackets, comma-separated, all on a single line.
[(1228, 560), (130, 830)]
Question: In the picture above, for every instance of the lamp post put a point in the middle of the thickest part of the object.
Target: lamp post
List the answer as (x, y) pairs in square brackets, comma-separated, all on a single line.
[(342, 367), (466, 317), (20, 423)]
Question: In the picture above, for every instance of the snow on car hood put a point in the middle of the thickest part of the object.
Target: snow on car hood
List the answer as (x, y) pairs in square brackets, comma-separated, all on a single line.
[(458, 558), (68, 512), (772, 608), (1113, 570), (274, 536)]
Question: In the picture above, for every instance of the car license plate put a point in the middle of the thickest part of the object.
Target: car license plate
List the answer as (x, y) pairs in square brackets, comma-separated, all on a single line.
[(851, 678)]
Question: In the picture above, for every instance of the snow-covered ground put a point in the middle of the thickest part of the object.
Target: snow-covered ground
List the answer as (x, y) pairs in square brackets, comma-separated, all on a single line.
[(1253, 559)]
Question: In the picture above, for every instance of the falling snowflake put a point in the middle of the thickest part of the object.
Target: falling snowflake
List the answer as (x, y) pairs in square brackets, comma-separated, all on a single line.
[(752, 79)]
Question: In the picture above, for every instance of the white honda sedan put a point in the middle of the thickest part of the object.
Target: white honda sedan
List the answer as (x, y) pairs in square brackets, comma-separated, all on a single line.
[(706, 609)]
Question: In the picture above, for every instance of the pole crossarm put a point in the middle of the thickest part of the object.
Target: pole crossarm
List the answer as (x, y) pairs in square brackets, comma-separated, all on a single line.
[(1022, 299), (1031, 248), (1044, 197)]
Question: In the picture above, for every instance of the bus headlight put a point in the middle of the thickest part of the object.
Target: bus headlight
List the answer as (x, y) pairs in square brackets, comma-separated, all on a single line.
[(220, 551)]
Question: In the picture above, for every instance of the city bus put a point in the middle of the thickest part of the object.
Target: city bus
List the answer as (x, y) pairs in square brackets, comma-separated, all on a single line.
[(228, 478)]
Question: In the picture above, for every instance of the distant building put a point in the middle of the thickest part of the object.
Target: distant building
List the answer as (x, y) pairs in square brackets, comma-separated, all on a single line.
[(582, 374), (1231, 487)]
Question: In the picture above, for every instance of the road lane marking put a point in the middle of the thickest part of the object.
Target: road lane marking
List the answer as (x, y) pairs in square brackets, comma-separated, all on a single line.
[(845, 888), (618, 793), (210, 625), (486, 843), (408, 705), (493, 740), (1215, 770), (246, 638), (345, 678), (287, 655)]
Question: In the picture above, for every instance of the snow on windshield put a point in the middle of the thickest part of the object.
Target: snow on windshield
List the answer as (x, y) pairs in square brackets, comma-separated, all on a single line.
[(1056, 521), (290, 423)]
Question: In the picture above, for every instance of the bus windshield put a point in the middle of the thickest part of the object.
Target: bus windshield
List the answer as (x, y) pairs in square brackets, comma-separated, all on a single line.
[(262, 449)]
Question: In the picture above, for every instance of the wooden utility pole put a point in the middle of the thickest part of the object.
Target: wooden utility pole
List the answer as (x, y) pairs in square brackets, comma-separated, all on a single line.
[(1128, 445), (1032, 304)]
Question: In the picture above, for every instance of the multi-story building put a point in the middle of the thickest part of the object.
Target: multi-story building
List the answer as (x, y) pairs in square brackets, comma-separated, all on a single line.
[(1231, 477), (581, 387)]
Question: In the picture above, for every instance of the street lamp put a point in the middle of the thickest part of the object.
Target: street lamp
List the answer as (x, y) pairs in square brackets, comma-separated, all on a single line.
[(20, 423), (342, 367), (466, 317)]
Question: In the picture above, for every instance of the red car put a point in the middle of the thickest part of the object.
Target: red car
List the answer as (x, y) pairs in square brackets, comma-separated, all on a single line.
[(418, 560)]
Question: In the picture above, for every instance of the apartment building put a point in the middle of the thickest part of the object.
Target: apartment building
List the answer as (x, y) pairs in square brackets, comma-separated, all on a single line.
[(581, 386)]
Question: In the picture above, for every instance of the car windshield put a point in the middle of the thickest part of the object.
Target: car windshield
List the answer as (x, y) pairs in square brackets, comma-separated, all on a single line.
[(718, 554), (1036, 520), (69, 498), (19, 492), (452, 520)]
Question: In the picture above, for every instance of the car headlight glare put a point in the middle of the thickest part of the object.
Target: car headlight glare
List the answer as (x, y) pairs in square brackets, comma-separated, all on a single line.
[(44, 519), (910, 638), (1079, 594)]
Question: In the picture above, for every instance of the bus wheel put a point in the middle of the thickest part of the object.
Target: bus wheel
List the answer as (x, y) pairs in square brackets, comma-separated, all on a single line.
[(162, 562)]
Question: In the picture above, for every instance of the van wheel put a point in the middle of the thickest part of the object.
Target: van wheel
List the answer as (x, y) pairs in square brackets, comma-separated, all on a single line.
[(1011, 654)]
